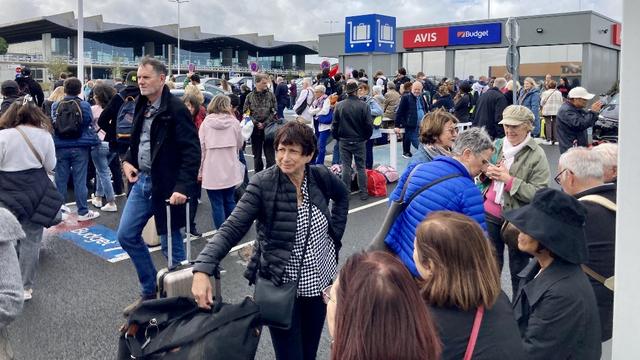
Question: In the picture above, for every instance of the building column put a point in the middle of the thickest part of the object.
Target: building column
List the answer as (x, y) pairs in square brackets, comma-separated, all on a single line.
[(137, 51), (449, 64), (287, 61), (300, 61), (227, 57), (46, 46), (73, 47), (149, 48), (243, 58)]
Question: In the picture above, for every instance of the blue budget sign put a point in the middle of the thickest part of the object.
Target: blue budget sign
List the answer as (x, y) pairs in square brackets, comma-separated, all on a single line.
[(475, 34), (98, 240), (370, 33)]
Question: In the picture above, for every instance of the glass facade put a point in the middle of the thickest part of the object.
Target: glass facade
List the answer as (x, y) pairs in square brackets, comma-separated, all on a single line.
[(477, 62), (429, 62)]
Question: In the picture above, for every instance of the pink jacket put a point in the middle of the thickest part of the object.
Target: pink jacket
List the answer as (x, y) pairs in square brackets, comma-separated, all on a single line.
[(220, 142)]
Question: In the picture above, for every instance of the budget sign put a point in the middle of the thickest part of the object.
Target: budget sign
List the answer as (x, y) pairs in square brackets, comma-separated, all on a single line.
[(428, 37), (475, 34)]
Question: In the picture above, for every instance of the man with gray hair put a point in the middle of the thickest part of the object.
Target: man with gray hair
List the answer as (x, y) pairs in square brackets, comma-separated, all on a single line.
[(581, 174), (488, 111), (609, 153), (444, 184)]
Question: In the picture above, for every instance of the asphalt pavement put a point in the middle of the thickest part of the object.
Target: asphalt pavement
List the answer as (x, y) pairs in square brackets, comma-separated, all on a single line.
[(76, 308)]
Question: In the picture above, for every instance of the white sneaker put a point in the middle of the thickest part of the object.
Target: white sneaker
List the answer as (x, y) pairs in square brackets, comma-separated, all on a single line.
[(28, 294), (88, 216), (65, 208), (109, 208), (96, 201)]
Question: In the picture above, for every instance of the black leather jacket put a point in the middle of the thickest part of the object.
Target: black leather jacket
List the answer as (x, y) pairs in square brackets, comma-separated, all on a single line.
[(352, 120), (271, 200)]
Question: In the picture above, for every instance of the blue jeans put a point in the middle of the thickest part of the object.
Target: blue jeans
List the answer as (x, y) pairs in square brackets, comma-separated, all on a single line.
[(135, 215), (536, 127), (222, 204), (280, 110), (410, 138), (73, 162), (323, 137), (368, 164), (336, 153), (101, 157)]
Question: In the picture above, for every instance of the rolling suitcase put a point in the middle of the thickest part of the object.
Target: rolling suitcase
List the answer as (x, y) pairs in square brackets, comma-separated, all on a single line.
[(176, 281)]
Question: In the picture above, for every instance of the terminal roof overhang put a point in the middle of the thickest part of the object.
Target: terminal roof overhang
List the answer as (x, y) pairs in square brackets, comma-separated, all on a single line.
[(192, 39)]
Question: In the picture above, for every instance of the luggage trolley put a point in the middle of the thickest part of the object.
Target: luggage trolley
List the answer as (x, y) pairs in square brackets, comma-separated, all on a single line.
[(385, 34)]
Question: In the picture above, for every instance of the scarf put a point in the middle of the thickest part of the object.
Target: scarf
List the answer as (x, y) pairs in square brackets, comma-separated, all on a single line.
[(509, 153)]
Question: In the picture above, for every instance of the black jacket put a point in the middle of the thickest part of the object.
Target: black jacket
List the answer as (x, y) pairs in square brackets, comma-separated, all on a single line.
[(407, 111), (271, 200), (600, 231), (109, 117), (498, 338), (488, 112), (282, 94), (462, 107), (572, 125), (557, 313), (34, 89), (444, 102), (175, 155), (352, 120), (28, 194), (7, 101)]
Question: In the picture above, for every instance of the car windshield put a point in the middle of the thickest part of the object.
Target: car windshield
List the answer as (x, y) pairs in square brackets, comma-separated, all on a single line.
[(614, 99)]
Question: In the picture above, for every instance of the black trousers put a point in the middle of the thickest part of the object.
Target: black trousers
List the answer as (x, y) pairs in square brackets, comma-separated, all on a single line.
[(518, 260), (257, 144), (302, 340)]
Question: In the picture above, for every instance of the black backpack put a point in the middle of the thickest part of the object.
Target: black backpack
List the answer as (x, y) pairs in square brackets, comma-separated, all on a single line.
[(68, 123), (124, 120)]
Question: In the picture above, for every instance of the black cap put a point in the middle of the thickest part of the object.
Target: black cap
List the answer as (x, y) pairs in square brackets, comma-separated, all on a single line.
[(8, 85), (132, 78)]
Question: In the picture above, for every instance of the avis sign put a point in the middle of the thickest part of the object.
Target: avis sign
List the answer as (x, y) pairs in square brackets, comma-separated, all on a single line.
[(453, 35), (370, 33)]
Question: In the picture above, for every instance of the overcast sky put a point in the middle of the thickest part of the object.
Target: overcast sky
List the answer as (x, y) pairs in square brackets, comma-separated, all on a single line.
[(297, 20)]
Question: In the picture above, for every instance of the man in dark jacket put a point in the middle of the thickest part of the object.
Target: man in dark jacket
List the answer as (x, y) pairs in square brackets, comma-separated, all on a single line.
[(109, 117), (489, 108), (30, 86), (282, 96), (9, 91), (163, 163), (573, 121), (409, 114), (352, 127), (582, 176), (73, 151), (328, 82), (261, 105), (401, 77)]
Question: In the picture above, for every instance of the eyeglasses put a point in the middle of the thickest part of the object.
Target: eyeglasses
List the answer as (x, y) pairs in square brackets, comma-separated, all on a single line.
[(557, 178), (452, 130), (326, 295)]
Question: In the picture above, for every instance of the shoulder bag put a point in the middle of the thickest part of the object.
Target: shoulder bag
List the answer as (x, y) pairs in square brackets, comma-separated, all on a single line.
[(51, 188), (271, 130), (609, 205), (397, 207), (473, 338), (276, 302)]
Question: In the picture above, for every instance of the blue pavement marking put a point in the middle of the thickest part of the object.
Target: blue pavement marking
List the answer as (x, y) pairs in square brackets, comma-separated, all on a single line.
[(98, 240)]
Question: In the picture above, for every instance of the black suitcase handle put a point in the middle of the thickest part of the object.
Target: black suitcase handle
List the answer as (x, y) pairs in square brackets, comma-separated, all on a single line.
[(169, 237)]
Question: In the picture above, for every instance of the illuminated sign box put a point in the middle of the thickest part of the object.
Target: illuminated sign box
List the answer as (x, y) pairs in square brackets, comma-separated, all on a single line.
[(453, 35)]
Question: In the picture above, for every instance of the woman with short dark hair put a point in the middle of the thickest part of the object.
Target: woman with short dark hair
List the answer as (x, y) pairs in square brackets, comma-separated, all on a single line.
[(290, 205), (375, 312), (101, 155), (462, 102), (438, 131), (460, 281)]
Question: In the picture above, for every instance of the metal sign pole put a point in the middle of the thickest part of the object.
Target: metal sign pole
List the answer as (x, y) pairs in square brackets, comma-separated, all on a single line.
[(370, 71)]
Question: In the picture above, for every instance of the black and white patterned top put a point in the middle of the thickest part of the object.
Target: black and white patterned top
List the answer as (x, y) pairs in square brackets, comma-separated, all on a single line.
[(319, 266)]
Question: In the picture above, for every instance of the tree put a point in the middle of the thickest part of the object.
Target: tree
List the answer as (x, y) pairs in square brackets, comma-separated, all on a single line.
[(57, 66), (3, 46)]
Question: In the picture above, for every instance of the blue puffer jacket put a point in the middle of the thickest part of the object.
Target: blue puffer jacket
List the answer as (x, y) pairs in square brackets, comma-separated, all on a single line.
[(88, 137), (459, 194)]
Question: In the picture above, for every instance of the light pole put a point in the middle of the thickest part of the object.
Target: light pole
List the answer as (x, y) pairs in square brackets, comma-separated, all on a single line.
[(331, 22), (488, 9), (80, 50), (178, 2)]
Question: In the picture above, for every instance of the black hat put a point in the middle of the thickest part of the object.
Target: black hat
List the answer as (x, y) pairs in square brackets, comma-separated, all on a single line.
[(351, 87), (557, 221), (26, 71), (132, 78), (8, 86)]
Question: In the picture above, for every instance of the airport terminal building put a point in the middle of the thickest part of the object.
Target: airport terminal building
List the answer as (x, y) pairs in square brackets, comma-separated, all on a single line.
[(37, 41), (580, 45)]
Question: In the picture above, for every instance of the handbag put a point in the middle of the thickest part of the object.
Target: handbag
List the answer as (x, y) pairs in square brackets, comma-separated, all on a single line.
[(276, 302), (246, 127), (397, 207), (51, 188), (176, 329), (473, 338), (301, 108), (271, 130)]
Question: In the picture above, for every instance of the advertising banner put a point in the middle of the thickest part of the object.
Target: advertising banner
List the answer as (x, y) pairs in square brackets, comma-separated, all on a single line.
[(475, 34), (426, 37)]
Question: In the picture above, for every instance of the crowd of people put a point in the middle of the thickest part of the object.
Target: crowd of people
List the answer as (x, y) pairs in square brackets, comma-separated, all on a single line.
[(433, 279)]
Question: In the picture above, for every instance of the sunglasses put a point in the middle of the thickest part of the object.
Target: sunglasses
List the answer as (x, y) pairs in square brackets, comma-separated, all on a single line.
[(326, 295)]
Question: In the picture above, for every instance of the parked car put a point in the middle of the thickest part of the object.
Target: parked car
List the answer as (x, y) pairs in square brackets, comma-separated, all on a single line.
[(606, 127), (180, 80), (238, 81), (208, 96), (211, 81)]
